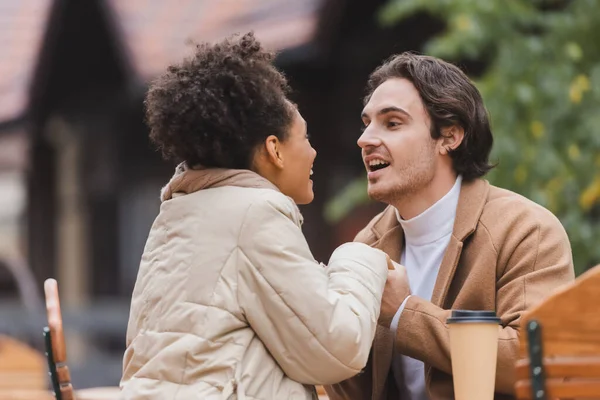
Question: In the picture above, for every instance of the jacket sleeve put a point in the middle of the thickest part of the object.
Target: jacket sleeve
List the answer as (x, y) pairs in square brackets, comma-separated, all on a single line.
[(534, 268), (317, 322), (359, 386)]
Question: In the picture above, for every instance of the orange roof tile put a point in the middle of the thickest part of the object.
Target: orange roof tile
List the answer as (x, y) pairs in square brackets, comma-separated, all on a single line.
[(14, 145), (22, 24), (156, 31)]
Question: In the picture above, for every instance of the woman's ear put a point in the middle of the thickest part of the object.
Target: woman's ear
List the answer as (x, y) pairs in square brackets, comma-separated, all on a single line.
[(273, 151), (452, 137)]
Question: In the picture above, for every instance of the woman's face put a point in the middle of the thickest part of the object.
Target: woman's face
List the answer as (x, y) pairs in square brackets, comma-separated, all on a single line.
[(288, 163), (297, 157)]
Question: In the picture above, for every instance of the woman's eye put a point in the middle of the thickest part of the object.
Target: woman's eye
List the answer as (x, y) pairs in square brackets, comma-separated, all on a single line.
[(393, 124)]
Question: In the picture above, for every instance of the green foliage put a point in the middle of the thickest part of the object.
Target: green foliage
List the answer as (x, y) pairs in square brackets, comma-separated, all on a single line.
[(542, 89), (353, 194)]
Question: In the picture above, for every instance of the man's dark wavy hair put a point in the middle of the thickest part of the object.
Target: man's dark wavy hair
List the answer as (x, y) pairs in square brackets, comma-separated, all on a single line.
[(450, 98)]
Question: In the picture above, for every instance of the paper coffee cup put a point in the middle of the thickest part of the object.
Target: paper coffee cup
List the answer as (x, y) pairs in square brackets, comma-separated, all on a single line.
[(474, 352)]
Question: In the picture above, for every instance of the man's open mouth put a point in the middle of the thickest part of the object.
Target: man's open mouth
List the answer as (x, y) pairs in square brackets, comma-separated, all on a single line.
[(376, 165)]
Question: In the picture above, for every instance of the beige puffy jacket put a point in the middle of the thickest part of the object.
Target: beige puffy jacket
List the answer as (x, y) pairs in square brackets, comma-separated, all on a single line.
[(229, 302)]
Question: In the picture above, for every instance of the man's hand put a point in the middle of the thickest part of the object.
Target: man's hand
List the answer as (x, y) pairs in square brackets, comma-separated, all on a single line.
[(395, 291)]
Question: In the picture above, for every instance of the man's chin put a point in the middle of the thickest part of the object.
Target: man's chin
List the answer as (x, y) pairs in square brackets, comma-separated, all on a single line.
[(377, 193)]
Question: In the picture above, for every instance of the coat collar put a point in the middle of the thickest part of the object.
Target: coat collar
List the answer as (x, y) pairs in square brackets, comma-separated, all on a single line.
[(188, 180), (472, 199)]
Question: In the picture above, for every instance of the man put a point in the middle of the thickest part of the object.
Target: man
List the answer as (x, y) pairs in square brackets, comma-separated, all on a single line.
[(462, 243)]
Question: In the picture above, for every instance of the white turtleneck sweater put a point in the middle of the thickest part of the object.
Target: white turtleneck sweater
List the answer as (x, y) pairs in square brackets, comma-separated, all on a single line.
[(426, 237)]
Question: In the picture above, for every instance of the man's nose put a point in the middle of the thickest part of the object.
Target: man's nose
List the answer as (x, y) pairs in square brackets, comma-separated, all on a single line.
[(368, 138)]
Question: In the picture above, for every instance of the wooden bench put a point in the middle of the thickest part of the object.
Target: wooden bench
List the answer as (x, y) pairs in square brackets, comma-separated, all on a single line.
[(560, 344), (56, 354), (21, 367)]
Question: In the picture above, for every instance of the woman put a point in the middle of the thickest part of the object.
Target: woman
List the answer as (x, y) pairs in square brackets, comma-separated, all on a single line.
[(229, 301)]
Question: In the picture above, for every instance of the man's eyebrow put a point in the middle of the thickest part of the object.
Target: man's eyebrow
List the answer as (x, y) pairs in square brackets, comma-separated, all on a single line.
[(387, 110)]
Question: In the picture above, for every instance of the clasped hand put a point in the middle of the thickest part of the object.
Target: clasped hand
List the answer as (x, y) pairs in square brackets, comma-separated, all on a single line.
[(396, 290)]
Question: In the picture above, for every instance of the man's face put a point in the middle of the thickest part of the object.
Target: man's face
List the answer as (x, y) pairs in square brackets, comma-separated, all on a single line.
[(399, 154)]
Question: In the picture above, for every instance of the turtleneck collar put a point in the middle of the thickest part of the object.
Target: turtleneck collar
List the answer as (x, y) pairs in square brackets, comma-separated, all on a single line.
[(435, 222)]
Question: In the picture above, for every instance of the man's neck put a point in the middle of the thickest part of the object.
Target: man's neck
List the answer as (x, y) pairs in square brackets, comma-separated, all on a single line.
[(416, 203)]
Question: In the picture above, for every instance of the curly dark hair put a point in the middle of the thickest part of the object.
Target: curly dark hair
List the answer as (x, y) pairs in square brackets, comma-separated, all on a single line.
[(450, 98), (215, 107)]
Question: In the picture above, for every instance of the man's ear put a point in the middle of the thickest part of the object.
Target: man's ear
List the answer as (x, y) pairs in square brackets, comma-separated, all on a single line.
[(273, 151), (451, 138)]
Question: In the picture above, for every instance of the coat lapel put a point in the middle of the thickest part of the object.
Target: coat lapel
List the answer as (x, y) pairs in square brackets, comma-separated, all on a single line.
[(447, 270), (472, 199), (389, 238)]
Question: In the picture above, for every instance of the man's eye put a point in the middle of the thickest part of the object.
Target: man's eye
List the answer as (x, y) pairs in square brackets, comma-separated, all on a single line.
[(393, 124)]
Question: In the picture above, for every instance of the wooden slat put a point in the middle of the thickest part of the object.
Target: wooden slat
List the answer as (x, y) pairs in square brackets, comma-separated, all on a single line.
[(99, 393), (59, 348), (580, 367), (561, 389), (18, 356), (64, 375), (55, 323), (22, 381), (21, 367), (26, 395), (66, 392)]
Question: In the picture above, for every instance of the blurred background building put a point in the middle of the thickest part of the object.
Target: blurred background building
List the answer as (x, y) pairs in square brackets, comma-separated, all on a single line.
[(80, 182)]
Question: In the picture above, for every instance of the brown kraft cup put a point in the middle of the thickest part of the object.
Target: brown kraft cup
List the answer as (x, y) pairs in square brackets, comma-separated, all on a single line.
[(474, 352)]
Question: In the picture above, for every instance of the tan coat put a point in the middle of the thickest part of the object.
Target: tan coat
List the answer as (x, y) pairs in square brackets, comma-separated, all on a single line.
[(230, 303), (506, 253)]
